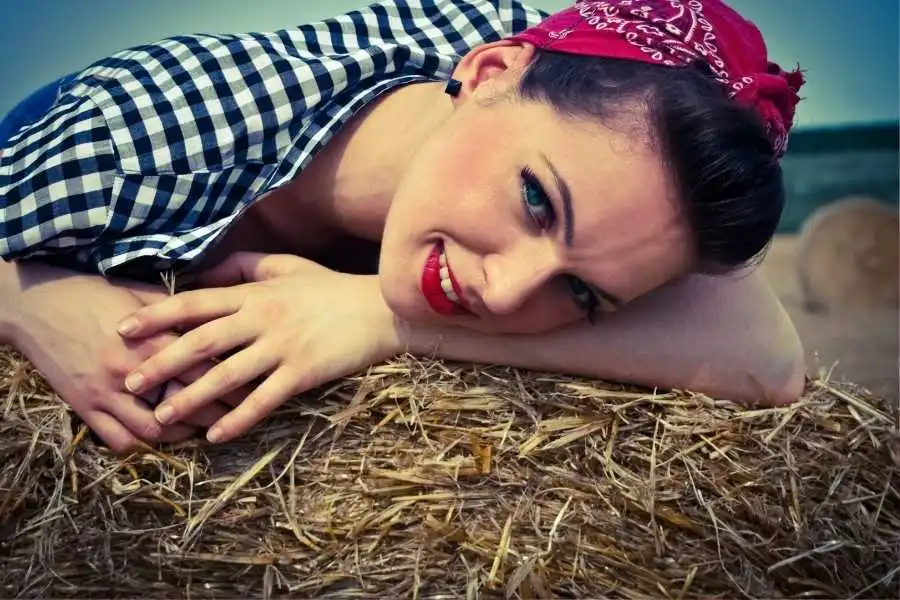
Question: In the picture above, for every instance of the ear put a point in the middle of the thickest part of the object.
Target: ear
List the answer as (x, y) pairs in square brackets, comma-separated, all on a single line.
[(491, 70)]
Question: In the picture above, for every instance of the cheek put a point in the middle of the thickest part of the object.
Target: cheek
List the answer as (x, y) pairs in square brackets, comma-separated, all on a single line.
[(462, 201), (464, 167), (440, 183)]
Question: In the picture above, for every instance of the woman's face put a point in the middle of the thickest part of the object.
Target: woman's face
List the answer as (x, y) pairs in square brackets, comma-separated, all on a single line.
[(515, 219)]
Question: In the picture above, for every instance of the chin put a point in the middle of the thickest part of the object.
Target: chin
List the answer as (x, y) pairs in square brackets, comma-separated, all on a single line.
[(401, 302), (401, 292)]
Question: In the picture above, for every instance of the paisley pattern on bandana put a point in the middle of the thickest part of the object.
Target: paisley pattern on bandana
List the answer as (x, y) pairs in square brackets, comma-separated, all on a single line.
[(676, 33), (677, 38)]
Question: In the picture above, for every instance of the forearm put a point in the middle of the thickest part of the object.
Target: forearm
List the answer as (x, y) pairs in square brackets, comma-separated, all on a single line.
[(20, 282), (731, 341), (10, 302), (29, 291)]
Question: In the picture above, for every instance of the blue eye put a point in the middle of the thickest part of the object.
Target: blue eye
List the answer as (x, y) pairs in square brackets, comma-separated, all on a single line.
[(538, 208), (583, 295)]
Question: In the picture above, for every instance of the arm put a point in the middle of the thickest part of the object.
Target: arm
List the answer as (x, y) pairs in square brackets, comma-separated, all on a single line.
[(723, 336), (9, 304), (300, 325), (64, 322), (59, 197)]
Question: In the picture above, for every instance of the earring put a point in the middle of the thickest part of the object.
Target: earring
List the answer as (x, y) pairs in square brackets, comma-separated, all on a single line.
[(453, 87)]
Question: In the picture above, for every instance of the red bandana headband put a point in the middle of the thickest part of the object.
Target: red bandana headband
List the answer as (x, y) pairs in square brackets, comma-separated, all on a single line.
[(677, 33)]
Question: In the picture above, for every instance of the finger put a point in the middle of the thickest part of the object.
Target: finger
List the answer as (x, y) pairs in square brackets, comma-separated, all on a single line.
[(117, 437), (232, 398), (182, 310), (203, 418), (196, 346), (234, 270), (110, 430), (147, 347), (140, 420), (177, 432), (244, 267), (273, 392), (225, 377), (206, 416)]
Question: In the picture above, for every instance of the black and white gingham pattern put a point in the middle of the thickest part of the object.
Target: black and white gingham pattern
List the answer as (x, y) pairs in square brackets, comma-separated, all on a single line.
[(149, 155)]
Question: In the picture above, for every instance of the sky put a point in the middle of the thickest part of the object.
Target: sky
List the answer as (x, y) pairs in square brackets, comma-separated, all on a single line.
[(850, 53)]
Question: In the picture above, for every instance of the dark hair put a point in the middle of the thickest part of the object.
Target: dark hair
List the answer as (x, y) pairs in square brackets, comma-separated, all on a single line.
[(717, 151)]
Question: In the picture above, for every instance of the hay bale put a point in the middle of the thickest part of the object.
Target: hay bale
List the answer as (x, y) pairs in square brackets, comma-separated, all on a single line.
[(429, 479), (849, 256)]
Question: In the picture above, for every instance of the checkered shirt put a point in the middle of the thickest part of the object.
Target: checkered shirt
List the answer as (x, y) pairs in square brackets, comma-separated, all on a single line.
[(148, 156)]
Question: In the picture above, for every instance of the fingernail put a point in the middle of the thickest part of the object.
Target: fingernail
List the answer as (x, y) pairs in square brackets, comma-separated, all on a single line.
[(127, 326), (134, 382), (164, 413), (214, 435)]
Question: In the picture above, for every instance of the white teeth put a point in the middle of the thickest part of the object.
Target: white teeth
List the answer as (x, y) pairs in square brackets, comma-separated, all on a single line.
[(447, 286), (446, 282), (446, 279)]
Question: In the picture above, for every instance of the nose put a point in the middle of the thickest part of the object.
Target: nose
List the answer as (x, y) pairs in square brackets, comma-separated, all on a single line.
[(511, 277)]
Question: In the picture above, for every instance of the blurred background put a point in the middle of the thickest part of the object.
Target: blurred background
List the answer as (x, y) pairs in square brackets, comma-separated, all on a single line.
[(834, 263)]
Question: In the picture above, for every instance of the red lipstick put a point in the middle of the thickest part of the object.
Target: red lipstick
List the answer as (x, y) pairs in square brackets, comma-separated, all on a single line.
[(431, 285)]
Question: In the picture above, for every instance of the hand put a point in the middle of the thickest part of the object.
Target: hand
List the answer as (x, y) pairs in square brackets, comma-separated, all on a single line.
[(65, 325), (296, 324)]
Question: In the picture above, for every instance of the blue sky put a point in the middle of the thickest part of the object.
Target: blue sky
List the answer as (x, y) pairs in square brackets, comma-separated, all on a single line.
[(850, 52)]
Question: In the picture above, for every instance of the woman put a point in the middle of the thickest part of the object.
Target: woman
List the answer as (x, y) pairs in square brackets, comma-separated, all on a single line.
[(579, 193)]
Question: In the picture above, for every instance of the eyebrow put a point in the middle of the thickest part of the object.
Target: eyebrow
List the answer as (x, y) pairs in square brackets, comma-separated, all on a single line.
[(568, 213), (569, 226)]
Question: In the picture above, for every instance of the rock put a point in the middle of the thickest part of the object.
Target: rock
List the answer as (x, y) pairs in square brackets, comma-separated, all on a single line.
[(848, 256)]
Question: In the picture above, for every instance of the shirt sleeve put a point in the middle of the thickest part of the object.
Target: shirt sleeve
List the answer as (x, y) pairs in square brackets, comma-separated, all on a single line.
[(56, 179)]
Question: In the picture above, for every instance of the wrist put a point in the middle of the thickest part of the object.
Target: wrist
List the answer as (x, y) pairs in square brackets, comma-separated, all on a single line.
[(397, 334), (31, 294), (387, 328), (424, 339)]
